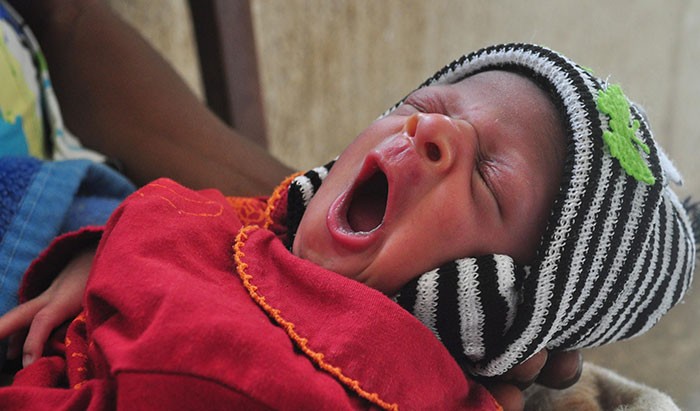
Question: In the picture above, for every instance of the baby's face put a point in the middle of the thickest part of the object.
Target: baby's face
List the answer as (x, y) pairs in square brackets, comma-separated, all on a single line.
[(457, 171)]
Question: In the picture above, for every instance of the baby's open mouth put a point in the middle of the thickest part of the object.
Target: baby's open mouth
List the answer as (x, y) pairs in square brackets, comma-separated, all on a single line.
[(368, 204)]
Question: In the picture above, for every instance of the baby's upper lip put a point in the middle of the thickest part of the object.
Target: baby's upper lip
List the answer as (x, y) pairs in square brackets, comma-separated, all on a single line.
[(367, 202)]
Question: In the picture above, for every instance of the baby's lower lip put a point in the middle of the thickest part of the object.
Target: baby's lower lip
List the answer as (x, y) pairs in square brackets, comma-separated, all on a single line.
[(340, 229), (366, 224)]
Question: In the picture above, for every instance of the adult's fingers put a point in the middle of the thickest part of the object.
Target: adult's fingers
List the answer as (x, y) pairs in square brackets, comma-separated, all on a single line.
[(562, 370), (507, 395), (524, 374)]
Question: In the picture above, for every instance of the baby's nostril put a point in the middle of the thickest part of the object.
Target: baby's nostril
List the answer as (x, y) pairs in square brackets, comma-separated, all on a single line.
[(433, 151)]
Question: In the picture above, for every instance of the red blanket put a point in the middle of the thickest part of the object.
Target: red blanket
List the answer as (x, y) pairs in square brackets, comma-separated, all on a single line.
[(189, 308)]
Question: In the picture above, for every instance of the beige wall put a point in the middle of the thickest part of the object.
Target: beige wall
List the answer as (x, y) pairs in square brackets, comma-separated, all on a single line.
[(329, 67)]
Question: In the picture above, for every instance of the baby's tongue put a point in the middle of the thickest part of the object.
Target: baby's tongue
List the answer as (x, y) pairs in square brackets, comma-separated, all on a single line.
[(368, 204)]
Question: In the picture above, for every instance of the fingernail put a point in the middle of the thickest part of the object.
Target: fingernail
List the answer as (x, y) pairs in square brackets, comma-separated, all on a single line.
[(568, 383), (27, 359)]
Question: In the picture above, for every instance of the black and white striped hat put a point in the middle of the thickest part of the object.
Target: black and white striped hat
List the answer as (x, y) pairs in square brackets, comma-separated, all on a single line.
[(618, 251)]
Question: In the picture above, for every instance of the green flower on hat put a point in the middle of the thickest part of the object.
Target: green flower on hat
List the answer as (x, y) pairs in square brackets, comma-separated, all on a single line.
[(621, 138)]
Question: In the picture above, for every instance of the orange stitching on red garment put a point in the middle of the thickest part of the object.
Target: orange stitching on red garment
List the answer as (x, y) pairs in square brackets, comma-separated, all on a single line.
[(300, 341), (272, 200), (219, 209)]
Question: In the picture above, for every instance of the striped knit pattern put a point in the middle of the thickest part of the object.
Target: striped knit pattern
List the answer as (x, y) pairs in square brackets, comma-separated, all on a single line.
[(616, 255)]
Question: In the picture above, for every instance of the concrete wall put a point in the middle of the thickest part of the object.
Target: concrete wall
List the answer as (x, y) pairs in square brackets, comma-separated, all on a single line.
[(329, 67)]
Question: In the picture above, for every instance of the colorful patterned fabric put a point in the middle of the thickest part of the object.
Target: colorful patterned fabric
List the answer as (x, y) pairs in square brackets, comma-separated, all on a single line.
[(30, 119)]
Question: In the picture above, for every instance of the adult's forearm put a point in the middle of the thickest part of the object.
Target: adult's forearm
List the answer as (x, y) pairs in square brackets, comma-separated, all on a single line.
[(121, 98)]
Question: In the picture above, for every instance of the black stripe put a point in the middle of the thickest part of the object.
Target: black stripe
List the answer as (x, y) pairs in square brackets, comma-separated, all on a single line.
[(657, 237), (615, 242), (620, 322), (295, 202), (525, 310), (663, 277), (295, 210), (586, 267), (407, 296), (688, 239), (676, 244), (640, 233), (494, 306), (315, 179)]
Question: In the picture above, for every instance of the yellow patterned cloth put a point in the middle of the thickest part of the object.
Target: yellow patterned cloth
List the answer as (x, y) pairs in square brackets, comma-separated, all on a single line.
[(30, 118)]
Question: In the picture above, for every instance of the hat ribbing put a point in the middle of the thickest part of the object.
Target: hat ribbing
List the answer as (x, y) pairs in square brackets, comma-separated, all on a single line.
[(618, 251)]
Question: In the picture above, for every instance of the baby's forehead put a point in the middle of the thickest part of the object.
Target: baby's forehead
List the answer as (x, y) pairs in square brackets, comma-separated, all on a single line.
[(510, 93), (518, 101), (505, 85)]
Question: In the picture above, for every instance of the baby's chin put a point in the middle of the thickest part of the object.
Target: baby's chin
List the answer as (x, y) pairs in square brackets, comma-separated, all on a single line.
[(346, 266)]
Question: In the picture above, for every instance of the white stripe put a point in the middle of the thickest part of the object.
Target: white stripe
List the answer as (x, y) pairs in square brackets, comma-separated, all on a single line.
[(471, 316), (581, 251), (505, 272), (597, 256), (305, 188), (689, 237), (619, 302), (638, 305), (425, 308), (667, 301), (616, 331), (322, 172), (664, 260)]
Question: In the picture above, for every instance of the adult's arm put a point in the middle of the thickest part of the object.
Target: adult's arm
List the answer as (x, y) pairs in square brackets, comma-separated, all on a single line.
[(121, 98)]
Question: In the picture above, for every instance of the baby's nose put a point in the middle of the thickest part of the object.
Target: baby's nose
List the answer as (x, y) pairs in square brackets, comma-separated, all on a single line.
[(438, 139)]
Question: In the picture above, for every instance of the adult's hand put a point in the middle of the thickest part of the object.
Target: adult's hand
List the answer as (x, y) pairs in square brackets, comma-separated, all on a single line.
[(557, 370), (38, 317), (170, 132)]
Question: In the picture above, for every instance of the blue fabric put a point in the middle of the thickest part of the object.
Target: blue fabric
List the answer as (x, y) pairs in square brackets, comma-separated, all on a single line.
[(88, 210), (50, 204), (12, 141), (15, 176)]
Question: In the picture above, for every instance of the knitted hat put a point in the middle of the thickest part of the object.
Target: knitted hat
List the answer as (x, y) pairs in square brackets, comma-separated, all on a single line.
[(618, 251)]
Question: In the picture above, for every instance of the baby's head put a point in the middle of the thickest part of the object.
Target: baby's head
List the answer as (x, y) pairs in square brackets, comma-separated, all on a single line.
[(534, 187), (470, 168)]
